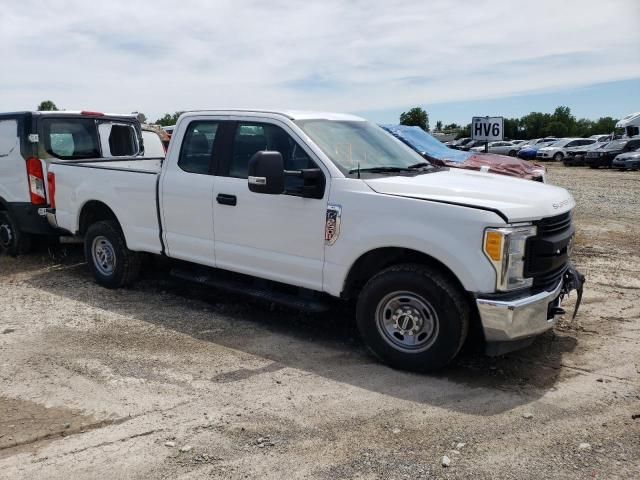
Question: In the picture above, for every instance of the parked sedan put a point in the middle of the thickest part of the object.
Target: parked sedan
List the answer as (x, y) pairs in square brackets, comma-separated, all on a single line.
[(604, 157), (501, 148), (438, 154), (473, 143), (458, 144), (528, 152), (627, 161), (557, 151), (576, 155)]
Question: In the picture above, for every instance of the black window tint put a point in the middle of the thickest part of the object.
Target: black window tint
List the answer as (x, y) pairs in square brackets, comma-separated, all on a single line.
[(196, 153), (633, 145), (253, 137), (122, 141), (71, 138)]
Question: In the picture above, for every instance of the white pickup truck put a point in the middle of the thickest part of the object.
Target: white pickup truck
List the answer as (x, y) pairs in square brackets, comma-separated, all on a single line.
[(299, 207)]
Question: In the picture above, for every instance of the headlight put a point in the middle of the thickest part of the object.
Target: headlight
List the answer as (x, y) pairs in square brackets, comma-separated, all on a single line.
[(542, 173), (505, 249)]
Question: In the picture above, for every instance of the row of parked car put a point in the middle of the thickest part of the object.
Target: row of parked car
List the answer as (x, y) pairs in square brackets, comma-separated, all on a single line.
[(594, 152)]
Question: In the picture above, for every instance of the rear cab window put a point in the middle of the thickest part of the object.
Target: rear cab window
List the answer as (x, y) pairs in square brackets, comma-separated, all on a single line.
[(71, 138)]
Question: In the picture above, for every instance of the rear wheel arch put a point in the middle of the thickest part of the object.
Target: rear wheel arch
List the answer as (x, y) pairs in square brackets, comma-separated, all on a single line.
[(95, 211)]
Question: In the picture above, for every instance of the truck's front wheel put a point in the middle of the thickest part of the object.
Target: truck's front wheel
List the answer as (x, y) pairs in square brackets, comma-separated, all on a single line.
[(113, 265), (413, 317)]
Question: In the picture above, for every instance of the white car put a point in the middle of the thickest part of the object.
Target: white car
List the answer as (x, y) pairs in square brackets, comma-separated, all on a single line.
[(557, 150), (298, 207), (501, 148), (537, 142)]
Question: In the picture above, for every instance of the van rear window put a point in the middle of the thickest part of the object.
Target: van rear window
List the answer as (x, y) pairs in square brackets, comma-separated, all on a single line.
[(73, 138), (79, 138)]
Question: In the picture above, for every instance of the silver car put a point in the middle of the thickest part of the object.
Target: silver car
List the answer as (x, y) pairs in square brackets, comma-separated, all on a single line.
[(501, 148), (557, 151)]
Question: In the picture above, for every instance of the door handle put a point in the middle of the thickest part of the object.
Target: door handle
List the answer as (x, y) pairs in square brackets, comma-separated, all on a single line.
[(225, 199)]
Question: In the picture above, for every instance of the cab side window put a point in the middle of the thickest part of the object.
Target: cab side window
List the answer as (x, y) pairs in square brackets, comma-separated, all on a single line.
[(196, 153), (250, 138)]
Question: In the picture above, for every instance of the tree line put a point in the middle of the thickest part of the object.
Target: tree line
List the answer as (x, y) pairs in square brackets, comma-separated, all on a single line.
[(560, 123)]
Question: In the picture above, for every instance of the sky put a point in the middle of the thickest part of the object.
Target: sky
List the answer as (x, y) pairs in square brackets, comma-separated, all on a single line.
[(455, 58)]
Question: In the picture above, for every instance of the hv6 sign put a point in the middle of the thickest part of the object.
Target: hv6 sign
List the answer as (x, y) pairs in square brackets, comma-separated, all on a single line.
[(487, 128)]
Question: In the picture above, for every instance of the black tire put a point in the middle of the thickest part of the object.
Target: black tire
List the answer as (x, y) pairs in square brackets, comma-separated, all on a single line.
[(12, 241), (438, 295), (558, 157), (125, 264), (512, 153), (593, 166)]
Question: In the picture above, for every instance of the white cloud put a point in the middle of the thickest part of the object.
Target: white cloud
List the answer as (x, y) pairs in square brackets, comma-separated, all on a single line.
[(356, 55)]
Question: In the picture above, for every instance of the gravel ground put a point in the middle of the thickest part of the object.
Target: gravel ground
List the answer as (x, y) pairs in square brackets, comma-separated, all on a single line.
[(166, 380)]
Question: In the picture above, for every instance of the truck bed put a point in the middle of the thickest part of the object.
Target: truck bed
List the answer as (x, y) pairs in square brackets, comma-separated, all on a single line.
[(128, 186)]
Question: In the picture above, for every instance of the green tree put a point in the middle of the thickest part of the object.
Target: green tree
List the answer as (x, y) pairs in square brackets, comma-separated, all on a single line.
[(417, 117), (168, 119), (451, 126), (439, 126), (562, 115), (465, 132), (603, 125), (555, 129), (583, 127), (512, 128), (47, 106), (534, 123)]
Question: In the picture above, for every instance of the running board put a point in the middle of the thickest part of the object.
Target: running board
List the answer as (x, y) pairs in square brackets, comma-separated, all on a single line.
[(311, 305)]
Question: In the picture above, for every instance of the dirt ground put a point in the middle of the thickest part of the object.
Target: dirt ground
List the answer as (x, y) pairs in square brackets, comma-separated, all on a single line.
[(168, 380)]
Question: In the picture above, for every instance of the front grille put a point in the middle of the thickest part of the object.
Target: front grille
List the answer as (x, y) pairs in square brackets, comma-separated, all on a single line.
[(550, 279), (551, 225), (547, 255)]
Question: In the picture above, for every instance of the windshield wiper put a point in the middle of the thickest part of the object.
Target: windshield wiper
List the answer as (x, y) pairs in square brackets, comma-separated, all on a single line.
[(380, 169), (417, 166)]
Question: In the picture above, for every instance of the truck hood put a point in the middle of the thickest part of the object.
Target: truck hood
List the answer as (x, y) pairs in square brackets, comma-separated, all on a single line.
[(517, 199)]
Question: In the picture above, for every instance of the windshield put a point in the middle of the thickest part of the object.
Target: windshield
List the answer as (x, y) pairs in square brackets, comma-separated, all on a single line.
[(425, 144), (560, 143), (358, 145), (616, 145)]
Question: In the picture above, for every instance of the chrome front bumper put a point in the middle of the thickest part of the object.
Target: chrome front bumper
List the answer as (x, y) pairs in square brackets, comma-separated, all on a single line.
[(511, 320)]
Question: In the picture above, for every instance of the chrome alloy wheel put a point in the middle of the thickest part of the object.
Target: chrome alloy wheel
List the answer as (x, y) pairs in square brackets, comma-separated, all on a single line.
[(407, 321), (104, 257)]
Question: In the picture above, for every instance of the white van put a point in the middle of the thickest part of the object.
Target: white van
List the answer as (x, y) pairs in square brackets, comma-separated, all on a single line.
[(29, 141)]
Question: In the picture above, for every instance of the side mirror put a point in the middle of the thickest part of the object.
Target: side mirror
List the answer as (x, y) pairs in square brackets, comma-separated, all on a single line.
[(266, 173)]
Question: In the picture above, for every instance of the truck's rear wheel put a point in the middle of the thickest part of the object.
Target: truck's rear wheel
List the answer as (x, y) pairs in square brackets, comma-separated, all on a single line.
[(413, 317), (113, 265), (12, 241)]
